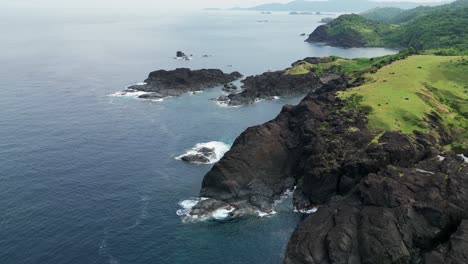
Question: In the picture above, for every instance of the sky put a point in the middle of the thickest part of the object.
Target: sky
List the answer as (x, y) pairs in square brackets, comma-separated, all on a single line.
[(157, 4)]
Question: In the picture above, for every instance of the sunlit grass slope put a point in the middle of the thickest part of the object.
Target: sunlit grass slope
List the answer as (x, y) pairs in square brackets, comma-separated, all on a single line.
[(400, 96)]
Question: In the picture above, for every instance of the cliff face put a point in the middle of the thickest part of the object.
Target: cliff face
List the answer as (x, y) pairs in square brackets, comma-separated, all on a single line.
[(398, 215), (316, 147)]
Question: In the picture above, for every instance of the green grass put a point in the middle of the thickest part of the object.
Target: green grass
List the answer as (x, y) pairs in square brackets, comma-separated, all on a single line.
[(351, 67), (400, 95)]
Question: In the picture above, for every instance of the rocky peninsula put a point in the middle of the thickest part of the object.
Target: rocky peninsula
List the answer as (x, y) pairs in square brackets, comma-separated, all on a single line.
[(162, 83)]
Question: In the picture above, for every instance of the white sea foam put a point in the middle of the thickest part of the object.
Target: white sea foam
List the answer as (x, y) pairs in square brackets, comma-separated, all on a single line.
[(464, 157), (129, 93), (225, 104), (220, 148), (222, 214), (187, 206), (306, 211), (276, 97)]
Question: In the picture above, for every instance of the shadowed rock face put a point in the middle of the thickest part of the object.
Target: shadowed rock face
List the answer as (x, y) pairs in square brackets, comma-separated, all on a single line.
[(398, 215), (163, 83)]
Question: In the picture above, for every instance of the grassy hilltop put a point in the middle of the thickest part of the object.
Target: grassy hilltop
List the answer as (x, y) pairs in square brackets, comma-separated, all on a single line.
[(405, 92)]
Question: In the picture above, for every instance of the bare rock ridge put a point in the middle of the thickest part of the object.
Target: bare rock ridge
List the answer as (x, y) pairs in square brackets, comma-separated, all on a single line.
[(162, 83)]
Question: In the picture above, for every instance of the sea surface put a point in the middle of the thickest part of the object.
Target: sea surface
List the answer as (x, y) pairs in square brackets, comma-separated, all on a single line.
[(86, 177)]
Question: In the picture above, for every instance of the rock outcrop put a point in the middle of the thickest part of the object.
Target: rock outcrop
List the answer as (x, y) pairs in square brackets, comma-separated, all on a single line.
[(164, 83), (415, 214), (271, 85), (274, 84)]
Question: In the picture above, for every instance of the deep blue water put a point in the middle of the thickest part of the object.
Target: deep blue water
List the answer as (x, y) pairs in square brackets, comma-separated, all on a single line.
[(89, 178)]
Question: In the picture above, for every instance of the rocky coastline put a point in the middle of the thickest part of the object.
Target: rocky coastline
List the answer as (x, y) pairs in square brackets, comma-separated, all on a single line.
[(381, 197), (162, 83), (272, 85)]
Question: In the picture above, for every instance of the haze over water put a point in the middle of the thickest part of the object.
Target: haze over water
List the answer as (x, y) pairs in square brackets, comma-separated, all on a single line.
[(91, 178)]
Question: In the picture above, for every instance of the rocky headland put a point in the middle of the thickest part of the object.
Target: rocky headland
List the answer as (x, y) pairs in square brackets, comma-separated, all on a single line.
[(162, 83), (383, 195), (285, 83)]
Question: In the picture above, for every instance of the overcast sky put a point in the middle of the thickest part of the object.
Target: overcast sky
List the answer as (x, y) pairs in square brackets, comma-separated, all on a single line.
[(160, 4)]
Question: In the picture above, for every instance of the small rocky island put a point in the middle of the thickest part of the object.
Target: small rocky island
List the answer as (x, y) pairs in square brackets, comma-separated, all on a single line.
[(162, 83)]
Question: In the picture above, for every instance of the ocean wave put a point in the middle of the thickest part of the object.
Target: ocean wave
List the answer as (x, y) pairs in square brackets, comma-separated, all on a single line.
[(187, 206), (306, 211), (129, 93), (227, 211), (210, 152)]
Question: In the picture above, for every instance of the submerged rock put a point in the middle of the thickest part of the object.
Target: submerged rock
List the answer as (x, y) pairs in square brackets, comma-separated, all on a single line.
[(164, 83), (229, 87)]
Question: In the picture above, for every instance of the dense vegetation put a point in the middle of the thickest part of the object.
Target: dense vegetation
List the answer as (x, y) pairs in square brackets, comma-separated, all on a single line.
[(422, 28), (383, 14), (400, 16)]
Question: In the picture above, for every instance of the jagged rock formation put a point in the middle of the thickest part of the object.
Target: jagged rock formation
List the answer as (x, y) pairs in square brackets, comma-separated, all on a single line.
[(415, 214), (162, 83)]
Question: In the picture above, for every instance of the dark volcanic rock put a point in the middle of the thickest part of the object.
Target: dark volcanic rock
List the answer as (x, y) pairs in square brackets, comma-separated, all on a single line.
[(179, 81), (315, 146), (413, 214), (229, 87), (271, 84), (195, 158), (180, 54), (200, 155)]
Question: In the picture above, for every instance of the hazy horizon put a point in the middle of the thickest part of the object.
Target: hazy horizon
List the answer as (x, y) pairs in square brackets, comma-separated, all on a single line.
[(157, 4)]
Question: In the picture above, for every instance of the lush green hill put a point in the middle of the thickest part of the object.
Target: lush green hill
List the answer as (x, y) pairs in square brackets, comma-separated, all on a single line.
[(383, 14), (442, 27), (352, 31), (399, 16)]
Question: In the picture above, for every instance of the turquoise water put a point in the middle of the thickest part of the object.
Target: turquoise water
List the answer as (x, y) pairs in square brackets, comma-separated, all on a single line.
[(90, 178)]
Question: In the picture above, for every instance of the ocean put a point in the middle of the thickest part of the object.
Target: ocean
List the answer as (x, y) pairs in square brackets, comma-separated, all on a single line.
[(87, 177)]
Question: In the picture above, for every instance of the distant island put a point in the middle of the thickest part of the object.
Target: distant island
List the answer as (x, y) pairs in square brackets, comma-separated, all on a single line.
[(334, 6)]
